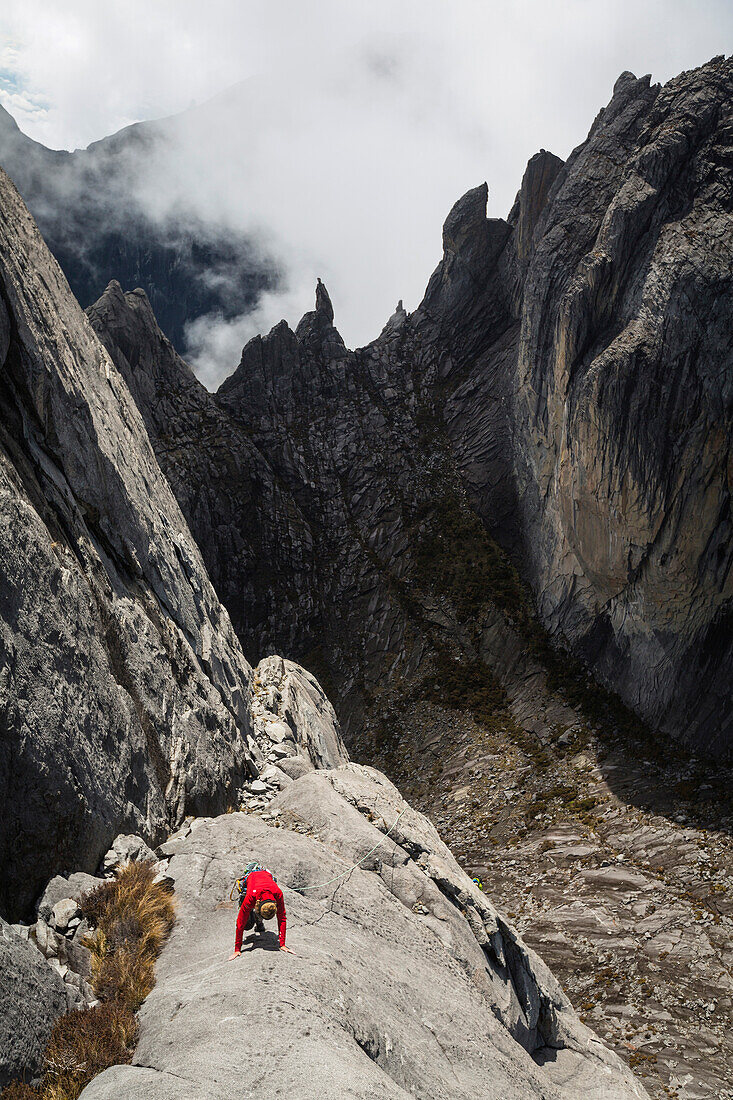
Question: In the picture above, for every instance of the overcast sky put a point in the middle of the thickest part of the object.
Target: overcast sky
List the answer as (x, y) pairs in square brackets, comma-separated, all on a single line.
[(359, 123)]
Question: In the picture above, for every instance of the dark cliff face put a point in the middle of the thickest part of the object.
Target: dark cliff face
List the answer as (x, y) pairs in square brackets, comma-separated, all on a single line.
[(91, 209), (124, 694), (593, 425), (256, 542), (568, 378), (625, 403), (298, 480)]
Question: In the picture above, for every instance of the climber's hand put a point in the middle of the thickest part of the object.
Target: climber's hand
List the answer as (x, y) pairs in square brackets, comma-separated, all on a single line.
[(288, 950), (234, 956)]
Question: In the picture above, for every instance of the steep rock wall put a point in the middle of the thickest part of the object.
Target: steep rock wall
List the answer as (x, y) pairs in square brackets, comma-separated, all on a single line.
[(569, 376), (255, 540), (124, 692), (625, 402)]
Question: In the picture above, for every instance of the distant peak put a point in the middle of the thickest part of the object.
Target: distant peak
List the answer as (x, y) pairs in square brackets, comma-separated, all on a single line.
[(128, 316), (317, 324), (396, 321), (116, 298), (7, 121), (540, 174), (465, 217), (113, 290), (472, 244), (625, 78), (323, 302)]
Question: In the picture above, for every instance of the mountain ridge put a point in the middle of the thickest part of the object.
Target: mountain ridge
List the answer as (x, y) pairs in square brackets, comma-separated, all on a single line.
[(561, 394), (90, 206), (124, 686), (466, 395)]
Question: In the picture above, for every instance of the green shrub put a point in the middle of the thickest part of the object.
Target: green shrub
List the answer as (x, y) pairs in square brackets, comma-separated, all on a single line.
[(455, 556), (464, 685)]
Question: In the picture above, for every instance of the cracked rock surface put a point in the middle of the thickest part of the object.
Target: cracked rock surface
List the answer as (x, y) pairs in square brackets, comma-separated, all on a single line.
[(391, 992), (615, 863), (568, 376), (32, 996), (123, 688)]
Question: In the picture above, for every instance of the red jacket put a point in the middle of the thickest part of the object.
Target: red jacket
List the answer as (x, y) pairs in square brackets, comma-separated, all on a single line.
[(261, 886)]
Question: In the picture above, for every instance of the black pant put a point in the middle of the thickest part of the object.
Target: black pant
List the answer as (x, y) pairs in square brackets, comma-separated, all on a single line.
[(254, 921)]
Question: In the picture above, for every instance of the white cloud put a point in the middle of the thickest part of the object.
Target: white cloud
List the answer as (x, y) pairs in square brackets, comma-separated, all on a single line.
[(358, 124), (25, 110), (215, 344)]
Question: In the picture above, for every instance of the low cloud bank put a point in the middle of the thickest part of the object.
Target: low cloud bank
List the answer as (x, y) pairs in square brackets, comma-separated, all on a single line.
[(339, 155)]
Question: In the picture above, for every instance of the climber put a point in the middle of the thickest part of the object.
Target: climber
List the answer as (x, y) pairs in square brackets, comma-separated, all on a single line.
[(262, 899)]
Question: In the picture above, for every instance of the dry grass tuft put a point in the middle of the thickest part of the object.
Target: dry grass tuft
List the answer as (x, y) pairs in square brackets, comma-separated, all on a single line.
[(132, 917), (124, 977), (85, 1043), (131, 908)]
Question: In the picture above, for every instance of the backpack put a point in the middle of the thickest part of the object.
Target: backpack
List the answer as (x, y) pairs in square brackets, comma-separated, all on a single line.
[(240, 884)]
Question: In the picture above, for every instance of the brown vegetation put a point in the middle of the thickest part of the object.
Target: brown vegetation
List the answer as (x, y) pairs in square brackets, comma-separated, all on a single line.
[(131, 917), (18, 1090), (85, 1043)]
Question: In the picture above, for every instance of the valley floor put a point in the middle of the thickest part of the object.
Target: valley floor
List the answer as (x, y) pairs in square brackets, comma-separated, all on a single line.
[(616, 869)]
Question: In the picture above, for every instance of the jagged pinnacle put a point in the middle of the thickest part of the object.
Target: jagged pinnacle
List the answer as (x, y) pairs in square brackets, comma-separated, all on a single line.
[(323, 301)]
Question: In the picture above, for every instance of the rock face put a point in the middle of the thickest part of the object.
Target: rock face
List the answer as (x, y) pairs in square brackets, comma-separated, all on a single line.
[(624, 403), (285, 478), (126, 849), (294, 709), (386, 928), (32, 995), (92, 207), (568, 375), (49, 957), (61, 887), (391, 991), (362, 1011), (256, 542), (590, 404), (124, 700), (611, 862)]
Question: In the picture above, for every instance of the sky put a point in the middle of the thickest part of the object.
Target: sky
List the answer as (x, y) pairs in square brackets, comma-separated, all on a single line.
[(339, 132)]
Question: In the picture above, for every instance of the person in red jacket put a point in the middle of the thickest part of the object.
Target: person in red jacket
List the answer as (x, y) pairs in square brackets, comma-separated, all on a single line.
[(263, 899)]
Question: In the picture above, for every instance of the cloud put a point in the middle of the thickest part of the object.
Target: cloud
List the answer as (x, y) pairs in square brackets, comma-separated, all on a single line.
[(339, 134), (214, 343), (27, 109), (23, 108)]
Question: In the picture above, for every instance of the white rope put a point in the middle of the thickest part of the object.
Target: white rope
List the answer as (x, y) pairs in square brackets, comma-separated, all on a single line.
[(302, 889)]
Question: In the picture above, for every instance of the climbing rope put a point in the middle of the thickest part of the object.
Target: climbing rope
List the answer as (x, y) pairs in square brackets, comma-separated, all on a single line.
[(302, 889)]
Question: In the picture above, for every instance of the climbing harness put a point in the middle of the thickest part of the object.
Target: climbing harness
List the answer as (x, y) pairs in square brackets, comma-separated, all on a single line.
[(302, 889), (240, 884)]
